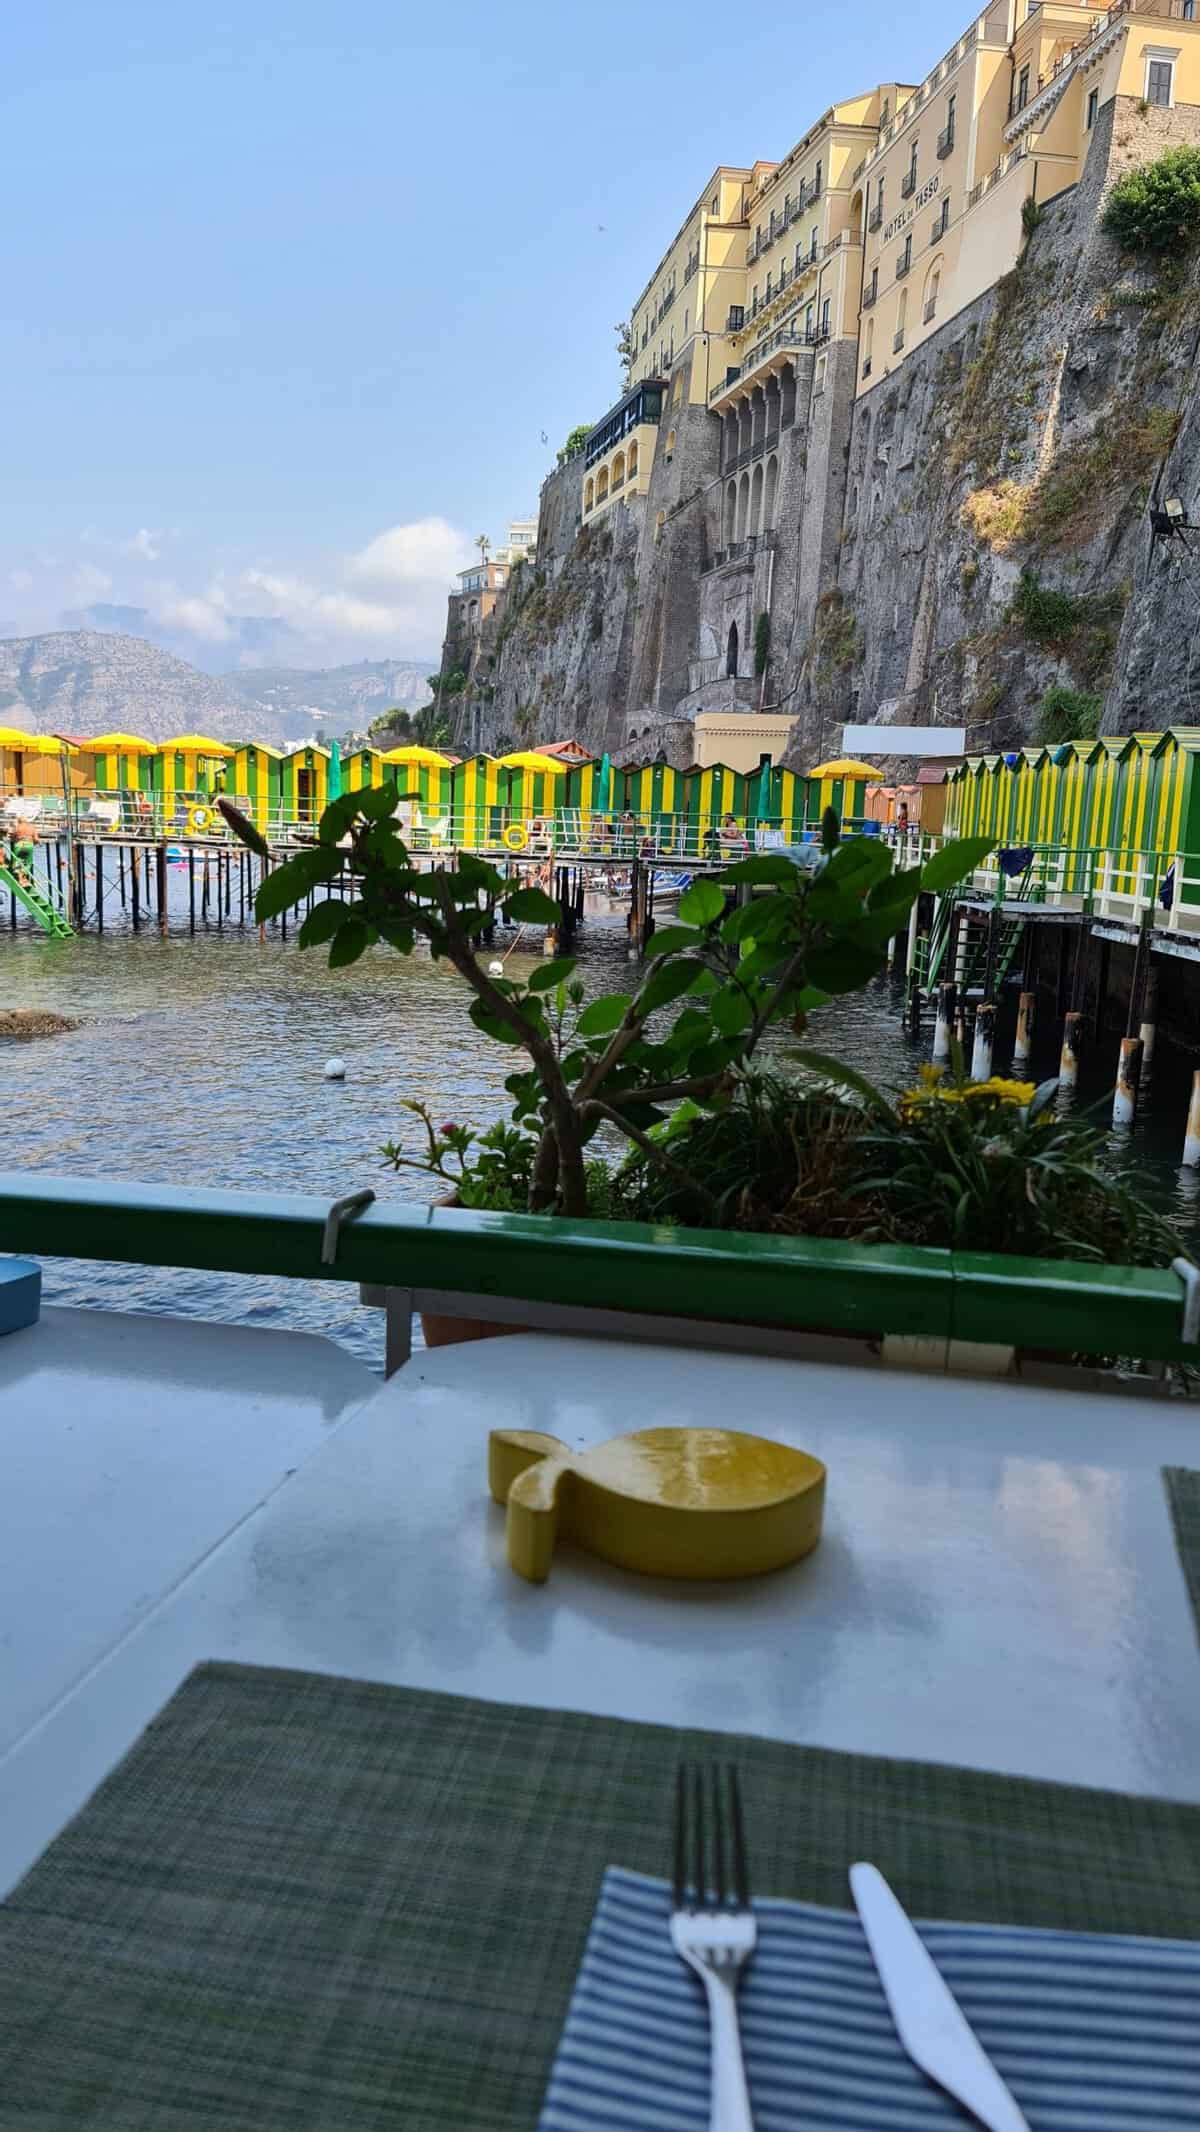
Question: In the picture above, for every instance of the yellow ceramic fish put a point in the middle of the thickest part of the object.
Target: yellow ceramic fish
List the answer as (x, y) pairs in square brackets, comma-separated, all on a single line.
[(669, 1502)]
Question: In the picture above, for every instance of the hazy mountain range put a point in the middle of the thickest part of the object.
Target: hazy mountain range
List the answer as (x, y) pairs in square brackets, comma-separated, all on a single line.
[(81, 681)]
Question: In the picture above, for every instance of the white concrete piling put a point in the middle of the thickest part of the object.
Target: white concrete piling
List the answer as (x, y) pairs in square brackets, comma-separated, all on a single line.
[(944, 1026), (1191, 1144), (985, 1036), (1068, 1065), (1024, 1038), (1129, 1068), (911, 954)]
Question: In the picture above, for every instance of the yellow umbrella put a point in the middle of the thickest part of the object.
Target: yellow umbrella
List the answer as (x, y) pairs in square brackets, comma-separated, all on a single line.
[(529, 759), (845, 766), (414, 754), (196, 744), (32, 743), (119, 744)]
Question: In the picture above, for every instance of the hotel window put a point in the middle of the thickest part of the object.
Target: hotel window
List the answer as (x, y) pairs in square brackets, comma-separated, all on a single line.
[(810, 312), (1160, 79), (886, 112), (945, 213), (1093, 105), (716, 204), (825, 315), (817, 180), (912, 165), (1189, 10), (799, 258), (1022, 95), (813, 242), (879, 196)]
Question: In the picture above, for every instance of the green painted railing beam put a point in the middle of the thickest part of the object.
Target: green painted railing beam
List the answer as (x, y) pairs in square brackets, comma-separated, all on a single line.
[(803, 1282)]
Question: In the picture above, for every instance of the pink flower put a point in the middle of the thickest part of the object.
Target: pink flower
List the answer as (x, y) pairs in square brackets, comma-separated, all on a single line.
[(448, 1129)]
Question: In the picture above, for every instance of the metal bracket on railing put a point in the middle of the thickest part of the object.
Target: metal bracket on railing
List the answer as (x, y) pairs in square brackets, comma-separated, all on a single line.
[(1190, 1276), (341, 1211)]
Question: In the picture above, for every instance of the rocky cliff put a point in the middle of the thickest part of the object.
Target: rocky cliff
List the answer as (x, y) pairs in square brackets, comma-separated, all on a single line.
[(969, 534)]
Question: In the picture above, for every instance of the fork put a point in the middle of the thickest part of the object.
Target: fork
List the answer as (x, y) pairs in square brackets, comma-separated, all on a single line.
[(716, 1937)]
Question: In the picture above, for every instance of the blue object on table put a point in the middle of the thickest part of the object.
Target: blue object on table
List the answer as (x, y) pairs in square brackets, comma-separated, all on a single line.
[(20, 1294), (1016, 859), (1073, 2021)]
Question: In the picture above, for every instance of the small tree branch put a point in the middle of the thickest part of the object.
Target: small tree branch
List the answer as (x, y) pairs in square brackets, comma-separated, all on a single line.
[(651, 1149)]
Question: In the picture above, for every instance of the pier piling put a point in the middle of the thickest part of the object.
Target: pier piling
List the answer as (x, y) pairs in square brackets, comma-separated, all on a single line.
[(943, 1028), (1129, 1068), (1147, 1028), (1024, 1037), (1068, 1065), (985, 1036), (161, 861), (1191, 1141)]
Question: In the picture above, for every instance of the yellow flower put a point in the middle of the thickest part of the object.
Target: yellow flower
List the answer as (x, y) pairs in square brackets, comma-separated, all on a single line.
[(1004, 1091)]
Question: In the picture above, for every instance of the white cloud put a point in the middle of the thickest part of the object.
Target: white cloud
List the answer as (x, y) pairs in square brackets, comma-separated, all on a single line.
[(20, 580), (90, 584), (144, 544), (200, 617), (414, 554)]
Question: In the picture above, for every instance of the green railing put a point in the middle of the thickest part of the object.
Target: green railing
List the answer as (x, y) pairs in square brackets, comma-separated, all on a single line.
[(809, 1284)]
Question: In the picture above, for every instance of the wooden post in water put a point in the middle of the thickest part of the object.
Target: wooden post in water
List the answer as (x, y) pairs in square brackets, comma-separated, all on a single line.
[(985, 1034), (135, 883), (162, 886), (220, 892), (1024, 1040), (1068, 1065), (943, 1028), (99, 888), (121, 872), (1125, 1093), (191, 889), (264, 867), (1148, 1027), (1191, 1143)]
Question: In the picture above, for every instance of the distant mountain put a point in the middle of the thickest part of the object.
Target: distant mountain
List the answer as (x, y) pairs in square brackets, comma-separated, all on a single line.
[(83, 681), (337, 697)]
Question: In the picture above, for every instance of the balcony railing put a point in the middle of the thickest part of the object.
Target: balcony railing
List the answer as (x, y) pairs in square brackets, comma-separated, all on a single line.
[(929, 310), (945, 143), (736, 319), (897, 343), (875, 218), (903, 264), (870, 295), (866, 368), (846, 240), (908, 184), (940, 226)]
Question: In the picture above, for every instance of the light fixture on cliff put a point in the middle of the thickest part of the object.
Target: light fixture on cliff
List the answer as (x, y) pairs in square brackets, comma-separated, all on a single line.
[(1171, 522)]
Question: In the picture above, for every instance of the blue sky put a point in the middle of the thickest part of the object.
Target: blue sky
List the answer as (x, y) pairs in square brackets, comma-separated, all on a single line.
[(294, 290)]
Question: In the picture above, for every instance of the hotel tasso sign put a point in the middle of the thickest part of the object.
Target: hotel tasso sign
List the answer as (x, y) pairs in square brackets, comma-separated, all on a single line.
[(902, 220)]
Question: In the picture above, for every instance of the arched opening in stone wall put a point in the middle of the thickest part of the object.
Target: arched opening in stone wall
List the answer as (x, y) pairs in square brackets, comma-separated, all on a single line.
[(787, 395), (729, 438), (731, 653), (772, 483), (633, 460), (759, 408), (727, 533), (743, 507), (602, 484), (670, 446), (856, 217), (756, 499), (589, 496), (618, 471)]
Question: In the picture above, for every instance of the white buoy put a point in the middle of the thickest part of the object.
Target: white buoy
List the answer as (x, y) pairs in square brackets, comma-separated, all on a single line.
[(495, 969), (335, 1069)]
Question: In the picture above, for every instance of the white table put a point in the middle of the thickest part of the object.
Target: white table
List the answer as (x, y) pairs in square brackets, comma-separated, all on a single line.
[(997, 1584)]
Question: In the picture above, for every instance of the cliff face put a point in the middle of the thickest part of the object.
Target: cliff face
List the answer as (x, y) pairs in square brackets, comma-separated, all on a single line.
[(969, 534)]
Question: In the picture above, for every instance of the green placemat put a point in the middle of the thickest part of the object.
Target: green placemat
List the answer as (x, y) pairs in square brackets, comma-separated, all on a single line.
[(308, 1902), (1183, 1494)]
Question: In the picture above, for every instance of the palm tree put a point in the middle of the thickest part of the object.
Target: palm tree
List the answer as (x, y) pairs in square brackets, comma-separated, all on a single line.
[(483, 543)]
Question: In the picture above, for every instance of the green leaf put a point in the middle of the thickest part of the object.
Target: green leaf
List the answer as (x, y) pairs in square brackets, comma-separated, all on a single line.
[(243, 828), (530, 906), (701, 903), (807, 999), (842, 966), (350, 942), (377, 802), (954, 862), (692, 1028), (668, 982), (479, 872), (400, 937), (492, 1025), (323, 921), (896, 891), (763, 919), (1043, 1095), (731, 1011), (767, 867), (289, 882), (603, 1015), (671, 940), (831, 1069), (338, 817), (860, 863), (552, 973)]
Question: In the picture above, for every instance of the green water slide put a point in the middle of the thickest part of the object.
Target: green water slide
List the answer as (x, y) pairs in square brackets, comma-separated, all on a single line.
[(41, 910)]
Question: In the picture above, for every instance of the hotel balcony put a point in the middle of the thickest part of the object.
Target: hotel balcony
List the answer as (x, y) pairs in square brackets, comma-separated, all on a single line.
[(870, 295), (897, 343), (945, 143), (903, 265), (875, 218), (908, 184)]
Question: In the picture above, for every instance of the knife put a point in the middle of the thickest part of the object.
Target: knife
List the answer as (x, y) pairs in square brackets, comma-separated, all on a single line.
[(929, 2020)]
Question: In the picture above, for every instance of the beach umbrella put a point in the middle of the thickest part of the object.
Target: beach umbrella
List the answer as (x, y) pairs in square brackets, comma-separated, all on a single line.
[(333, 787), (418, 757), (531, 759), (11, 736), (845, 766)]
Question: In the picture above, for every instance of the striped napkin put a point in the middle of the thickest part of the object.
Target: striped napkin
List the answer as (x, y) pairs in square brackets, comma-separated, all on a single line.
[(1093, 2033)]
